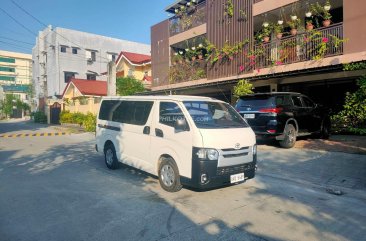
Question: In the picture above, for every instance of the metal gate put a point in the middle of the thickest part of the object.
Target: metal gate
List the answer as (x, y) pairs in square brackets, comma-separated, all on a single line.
[(55, 110)]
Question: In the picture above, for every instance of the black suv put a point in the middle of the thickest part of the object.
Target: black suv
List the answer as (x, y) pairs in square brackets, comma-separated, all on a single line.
[(284, 116)]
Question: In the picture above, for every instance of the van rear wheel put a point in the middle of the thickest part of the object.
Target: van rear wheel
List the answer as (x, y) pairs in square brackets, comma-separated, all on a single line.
[(110, 157), (290, 136), (169, 178)]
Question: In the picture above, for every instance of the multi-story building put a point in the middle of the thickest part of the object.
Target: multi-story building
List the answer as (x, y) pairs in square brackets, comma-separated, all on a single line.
[(61, 54), (230, 35), (16, 73)]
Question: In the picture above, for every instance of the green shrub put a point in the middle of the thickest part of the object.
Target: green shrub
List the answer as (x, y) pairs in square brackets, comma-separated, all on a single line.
[(65, 117), (89, 122), (78, 118), (39, 117), (353, 116)]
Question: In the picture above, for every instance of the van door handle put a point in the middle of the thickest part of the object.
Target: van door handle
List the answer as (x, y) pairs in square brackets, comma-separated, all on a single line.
[(146, 130), (159, 132)]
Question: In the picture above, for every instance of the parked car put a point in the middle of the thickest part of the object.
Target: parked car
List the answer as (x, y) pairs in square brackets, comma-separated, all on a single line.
[(184, 140), (284, 116)]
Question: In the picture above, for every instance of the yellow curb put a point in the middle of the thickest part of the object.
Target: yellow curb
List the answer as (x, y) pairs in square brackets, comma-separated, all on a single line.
[(34, 134)]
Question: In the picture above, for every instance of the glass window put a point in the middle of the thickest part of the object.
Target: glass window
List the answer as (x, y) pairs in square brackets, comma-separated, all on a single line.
[(107, 108), (132, 112), (63, 49), (213, 115), (7, 78), (69, 76), (91, 76), (93, 56), (169, 113), (7, 69), (296, 100), (308, 102), (74, 50), (7, 60)]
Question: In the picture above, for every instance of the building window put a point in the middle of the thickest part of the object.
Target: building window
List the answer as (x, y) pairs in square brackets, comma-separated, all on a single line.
[(130, 73), (7, 69), (91, 76), (69, 76), (74, 50), (112, 57), (7, 60), (7, 78), (90, 55), (63, 49)]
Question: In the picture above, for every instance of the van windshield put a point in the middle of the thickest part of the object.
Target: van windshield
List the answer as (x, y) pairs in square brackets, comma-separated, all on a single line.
[(214, 115)]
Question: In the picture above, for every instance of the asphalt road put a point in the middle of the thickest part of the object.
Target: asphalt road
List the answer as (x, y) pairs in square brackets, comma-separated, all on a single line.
[(58, 188)]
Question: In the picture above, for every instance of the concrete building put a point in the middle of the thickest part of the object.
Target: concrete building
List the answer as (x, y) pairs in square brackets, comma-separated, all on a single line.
[(61, 54), (230, 34), (16, 73)]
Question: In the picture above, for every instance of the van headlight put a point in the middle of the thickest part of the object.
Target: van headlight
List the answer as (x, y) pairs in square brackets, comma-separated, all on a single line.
[(254, 149), (206, 153)]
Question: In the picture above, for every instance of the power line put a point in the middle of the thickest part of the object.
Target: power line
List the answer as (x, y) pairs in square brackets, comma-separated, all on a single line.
[(16, 40), (40, 22), (30, 31), (16, 45)]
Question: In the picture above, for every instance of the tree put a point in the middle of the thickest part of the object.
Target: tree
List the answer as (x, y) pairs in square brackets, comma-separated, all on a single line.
[(243, 87), (128, 86)]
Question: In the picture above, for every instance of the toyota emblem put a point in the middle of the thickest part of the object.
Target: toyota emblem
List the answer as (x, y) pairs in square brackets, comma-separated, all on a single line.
[(237, 146)]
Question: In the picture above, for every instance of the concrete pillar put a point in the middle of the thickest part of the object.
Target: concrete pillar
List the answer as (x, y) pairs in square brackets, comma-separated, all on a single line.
[(90, 104), (111, 85), (77, 104)]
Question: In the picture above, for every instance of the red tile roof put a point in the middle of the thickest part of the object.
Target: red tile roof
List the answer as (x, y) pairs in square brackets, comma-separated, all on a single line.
[(89, 87), (135, 58), (147, 78)]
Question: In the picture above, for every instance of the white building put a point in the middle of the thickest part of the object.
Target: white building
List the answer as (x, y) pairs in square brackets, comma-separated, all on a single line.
[(61, 54)]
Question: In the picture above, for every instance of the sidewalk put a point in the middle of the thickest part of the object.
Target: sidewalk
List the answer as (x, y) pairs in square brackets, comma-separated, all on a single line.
[(336, 143)]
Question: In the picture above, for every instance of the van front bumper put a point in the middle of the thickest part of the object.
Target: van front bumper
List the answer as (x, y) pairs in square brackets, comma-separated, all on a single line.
[(217, 176)]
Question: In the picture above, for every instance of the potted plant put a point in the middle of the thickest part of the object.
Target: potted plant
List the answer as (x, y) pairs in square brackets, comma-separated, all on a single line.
[(294, 24), (278, 30), (177, 58), (266, 32), (323, 12), (309, 25)]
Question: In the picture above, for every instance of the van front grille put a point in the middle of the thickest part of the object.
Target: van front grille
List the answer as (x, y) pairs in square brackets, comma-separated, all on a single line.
[(234, 169)]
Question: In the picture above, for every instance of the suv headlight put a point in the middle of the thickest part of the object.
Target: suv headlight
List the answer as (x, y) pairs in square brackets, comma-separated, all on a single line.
[(255, 149), (205, 153)]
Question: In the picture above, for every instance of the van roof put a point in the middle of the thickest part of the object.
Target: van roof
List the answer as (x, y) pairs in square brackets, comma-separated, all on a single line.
[(161, 97)]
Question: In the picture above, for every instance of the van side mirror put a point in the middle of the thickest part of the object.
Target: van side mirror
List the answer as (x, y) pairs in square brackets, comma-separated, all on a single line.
[(181, 125)]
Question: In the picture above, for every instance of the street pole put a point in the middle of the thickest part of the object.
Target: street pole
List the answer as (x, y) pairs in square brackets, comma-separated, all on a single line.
[(111, 79)]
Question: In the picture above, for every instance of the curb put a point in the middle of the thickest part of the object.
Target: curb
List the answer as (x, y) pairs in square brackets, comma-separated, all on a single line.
[(34, 134)]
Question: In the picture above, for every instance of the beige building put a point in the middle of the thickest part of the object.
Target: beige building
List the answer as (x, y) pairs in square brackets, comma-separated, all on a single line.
[(15, 73)]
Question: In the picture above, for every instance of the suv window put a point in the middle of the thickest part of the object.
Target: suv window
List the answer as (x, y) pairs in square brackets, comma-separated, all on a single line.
[(107, 108), (308, 102), (296, 100), (169, 113)]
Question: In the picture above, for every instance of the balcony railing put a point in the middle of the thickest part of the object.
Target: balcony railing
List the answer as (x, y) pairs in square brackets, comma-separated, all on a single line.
[(301, 47), (189, 18)]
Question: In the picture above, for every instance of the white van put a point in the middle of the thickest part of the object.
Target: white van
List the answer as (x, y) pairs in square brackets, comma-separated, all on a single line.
[(184, 140)]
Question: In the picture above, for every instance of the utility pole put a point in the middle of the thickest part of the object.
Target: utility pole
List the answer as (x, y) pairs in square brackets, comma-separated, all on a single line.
[(111, 79)]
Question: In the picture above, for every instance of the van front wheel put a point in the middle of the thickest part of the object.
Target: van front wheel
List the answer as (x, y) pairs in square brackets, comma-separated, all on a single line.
[(169, 178), (110, 157)]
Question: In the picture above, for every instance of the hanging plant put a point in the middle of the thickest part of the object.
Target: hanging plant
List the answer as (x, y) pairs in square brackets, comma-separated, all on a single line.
[(229, 8), (243, 87)]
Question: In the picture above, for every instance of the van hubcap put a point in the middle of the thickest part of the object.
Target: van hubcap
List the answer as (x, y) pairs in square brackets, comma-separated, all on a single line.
[(291, 136), (167, 175), (109, 156)]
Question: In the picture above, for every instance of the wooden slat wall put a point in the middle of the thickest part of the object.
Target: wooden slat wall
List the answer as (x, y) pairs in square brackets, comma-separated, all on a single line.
[(220, 28), (160, 53)]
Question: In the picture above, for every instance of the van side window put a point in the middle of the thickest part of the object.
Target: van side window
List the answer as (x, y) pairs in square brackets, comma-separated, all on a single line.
[(132, 112), (107, 108), (296, 100), (169, 113)]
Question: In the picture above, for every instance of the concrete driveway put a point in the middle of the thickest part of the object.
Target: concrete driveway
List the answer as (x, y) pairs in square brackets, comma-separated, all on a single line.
[(58, 188)]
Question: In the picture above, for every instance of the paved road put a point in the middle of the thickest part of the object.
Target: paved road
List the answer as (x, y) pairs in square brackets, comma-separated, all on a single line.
[(58, 188)]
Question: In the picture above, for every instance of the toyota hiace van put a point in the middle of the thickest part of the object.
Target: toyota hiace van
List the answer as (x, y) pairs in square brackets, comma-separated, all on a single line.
[(184, 140)]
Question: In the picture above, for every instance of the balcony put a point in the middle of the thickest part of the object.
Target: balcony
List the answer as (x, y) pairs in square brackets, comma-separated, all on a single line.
[(187, 18), (305, 46)]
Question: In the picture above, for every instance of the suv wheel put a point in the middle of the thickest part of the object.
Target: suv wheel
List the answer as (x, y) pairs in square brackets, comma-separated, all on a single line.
[(169, 175), (325, 130), (290, 137)]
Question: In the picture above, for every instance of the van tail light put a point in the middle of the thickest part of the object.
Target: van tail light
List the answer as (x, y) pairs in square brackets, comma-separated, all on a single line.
[(272, 110)]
